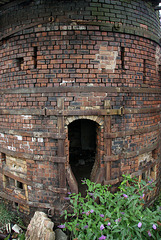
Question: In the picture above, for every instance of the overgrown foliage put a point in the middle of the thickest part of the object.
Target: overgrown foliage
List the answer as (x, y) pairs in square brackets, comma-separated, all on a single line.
[(9, 217), (5, 215), (105, 215)]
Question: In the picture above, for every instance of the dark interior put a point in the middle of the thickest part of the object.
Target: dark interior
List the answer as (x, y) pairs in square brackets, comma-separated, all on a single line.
[(82, 149)]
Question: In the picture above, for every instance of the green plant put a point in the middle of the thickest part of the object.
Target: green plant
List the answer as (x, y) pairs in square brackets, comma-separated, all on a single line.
[(5, 215), (105, 215), (19, 219), (21, 236), (8, 237)]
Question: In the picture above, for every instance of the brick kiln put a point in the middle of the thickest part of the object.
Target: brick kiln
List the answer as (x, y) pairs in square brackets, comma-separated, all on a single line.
[(80, 96)]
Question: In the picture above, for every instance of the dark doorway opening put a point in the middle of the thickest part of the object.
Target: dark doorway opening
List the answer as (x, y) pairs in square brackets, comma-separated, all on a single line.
[(82, 149)]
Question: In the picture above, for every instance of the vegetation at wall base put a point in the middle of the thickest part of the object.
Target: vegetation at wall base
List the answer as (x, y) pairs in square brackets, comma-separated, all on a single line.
[(9, 217), (5, 215), (105, 215)]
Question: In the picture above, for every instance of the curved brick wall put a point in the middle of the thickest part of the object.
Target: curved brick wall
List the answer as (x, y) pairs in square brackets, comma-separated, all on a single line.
[(64, 61), (134, 17)]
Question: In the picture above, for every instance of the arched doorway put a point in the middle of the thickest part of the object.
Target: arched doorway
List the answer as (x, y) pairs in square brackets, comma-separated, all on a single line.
[(82, 135)]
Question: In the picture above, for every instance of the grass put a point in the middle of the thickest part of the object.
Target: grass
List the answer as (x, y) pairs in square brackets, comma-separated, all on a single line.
[(5, 215)]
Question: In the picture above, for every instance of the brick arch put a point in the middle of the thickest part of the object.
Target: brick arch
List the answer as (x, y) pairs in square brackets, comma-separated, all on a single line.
[(98, 120)]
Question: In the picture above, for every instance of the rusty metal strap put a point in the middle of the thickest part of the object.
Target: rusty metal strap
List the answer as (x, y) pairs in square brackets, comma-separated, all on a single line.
[(54, 135), (59, 159), (7, 35), (142, 110), (15, 198), (52, 112), (57, 190), (23, 111), (132, 154), (87, 89), (11, 175), (86, 112), (80, 112), (111, 158), (140, 151), (101, 112), (131, 132), (16, 153), (112, 181), (27, 156)]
